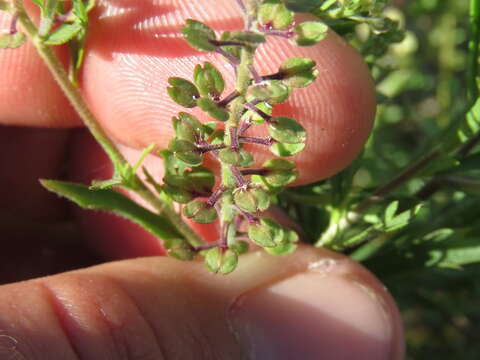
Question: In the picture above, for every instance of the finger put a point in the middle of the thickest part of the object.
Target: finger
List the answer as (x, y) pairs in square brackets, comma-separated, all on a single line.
[(26, 155), (38, 234), (30, 96), (312, 304)]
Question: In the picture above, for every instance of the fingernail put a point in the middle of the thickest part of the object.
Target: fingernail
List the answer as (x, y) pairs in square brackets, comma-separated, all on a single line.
[(323, 313)]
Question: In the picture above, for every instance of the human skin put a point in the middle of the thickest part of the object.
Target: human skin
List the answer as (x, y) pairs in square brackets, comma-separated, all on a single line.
[(312, 303)]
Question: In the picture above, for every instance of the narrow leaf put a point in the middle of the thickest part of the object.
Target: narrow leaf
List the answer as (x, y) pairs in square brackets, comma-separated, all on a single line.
[(117, 203), (63, 34)]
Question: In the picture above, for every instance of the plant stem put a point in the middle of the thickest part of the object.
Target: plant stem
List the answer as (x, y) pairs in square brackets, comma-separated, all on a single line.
[(473, 51), (397, 181), (74, 96)]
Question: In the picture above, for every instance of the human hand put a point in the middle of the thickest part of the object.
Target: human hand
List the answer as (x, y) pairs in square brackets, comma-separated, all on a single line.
[(311, 304)]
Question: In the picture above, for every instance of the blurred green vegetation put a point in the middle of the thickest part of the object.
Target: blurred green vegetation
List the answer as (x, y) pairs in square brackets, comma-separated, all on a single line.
[(429, 257)]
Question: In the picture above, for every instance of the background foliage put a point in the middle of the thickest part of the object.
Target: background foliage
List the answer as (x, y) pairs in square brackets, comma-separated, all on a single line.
[(425, 244)]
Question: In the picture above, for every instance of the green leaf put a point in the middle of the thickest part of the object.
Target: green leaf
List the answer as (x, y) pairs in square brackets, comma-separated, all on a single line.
[(211, 107), (39, 3), (63, 34), (392, 222), (281, 149), (446, 248), (200, 212), (274, 13), (12, 41), (208, 80), (187, 127), (183, 92), (309, 33), (199, 35), (298, 72), (237, 158), (185, 151), (117, 203), (472, 123), (286, 130), (302, 5)]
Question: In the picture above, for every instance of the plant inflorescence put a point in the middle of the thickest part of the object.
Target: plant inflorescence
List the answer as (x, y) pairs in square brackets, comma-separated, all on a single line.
[(245, 189)]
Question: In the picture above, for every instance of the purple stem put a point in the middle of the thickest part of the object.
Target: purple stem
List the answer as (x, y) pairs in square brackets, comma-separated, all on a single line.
[(203, 148), (222, 245), (256, 140), (232, 59), (238, 176), (13, 24), (247, 172), (256, 77), (250, 218), (226, 43), (205, 246), (230, 97), (212, 200), (286, 34), (277, 76), (244, 127), (234, 138), (256, 110)]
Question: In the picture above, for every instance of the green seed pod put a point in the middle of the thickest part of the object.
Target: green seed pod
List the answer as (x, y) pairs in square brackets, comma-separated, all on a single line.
[(200, 212), (287, 130), (298, 72), (199, 35), (183, 92), (187, 127), (208, 80), (211, 107), (274, 13), (237, 158), (309, 33), (185, 151), (177, 194), (253, 116), (240, 247), (266, 233), (252, 199), (177, 248), (280, 172), (273, 92), (281, 149), (219, 262)]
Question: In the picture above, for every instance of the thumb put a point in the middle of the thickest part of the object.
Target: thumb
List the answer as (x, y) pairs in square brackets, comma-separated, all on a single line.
[(308, 305)]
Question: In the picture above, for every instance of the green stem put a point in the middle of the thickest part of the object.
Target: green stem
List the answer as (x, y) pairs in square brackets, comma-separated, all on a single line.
[(473, 51), (74, 96)]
